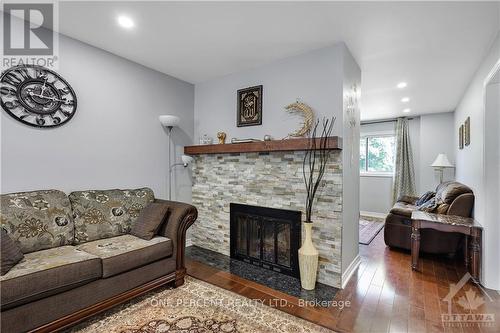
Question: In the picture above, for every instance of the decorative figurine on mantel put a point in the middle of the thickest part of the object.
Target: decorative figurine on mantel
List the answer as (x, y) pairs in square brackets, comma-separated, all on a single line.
[(222, 137), (307, 113), (205, 140)]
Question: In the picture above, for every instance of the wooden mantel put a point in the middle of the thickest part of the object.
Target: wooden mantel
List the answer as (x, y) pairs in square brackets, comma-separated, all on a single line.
[(334, 143)]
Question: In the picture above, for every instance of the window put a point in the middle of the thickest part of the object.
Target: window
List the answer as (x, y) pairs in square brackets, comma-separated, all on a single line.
[(377, 154)]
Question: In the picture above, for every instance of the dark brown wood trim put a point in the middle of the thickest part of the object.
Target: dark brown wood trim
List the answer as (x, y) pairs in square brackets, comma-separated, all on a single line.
[(334, 143), (186, 222), (83, 314)]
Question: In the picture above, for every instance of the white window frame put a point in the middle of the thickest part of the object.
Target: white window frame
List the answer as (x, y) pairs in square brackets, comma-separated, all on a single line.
[(366, 136)]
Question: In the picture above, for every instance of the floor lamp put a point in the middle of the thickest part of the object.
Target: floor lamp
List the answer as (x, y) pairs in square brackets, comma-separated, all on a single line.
[(170, 122)]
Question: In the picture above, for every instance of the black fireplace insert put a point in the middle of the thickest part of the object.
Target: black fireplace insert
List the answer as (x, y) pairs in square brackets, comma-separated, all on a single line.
[(266, 237)]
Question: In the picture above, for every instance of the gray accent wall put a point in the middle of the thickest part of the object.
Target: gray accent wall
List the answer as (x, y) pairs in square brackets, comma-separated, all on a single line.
[(114, 140), (315, 78)]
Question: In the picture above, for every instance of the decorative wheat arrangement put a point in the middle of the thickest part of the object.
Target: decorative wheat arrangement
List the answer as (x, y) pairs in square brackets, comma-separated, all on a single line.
[(315, 161)]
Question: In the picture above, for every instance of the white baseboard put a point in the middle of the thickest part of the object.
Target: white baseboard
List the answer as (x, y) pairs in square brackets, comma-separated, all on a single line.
[(373, 214), (350, 270)]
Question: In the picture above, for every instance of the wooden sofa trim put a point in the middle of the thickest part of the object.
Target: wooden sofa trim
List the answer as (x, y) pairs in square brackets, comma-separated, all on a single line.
[(83, 314)]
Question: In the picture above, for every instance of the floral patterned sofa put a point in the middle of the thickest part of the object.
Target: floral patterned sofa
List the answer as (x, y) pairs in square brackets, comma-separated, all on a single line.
[(79, 257)]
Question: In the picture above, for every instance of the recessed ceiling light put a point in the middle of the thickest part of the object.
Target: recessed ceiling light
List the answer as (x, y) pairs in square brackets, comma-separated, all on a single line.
[(406, 110), (405, 99), (402, 85), (125, 22)]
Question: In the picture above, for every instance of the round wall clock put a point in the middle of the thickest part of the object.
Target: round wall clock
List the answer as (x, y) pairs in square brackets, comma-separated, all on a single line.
[(37, 96)]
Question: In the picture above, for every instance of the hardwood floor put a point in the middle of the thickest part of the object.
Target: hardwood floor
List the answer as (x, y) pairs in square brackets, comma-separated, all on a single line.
[(385, 295)]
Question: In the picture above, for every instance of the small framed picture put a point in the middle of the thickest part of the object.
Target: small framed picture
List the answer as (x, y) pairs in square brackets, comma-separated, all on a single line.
[(249, 106), (467, 132), (461, 137)]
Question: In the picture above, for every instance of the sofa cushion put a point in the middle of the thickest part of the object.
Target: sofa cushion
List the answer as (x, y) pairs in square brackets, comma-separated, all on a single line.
[(108, 213), (449, 191), (123, 253), (403, 209), (11, 253), (48, 272), (37, 220)]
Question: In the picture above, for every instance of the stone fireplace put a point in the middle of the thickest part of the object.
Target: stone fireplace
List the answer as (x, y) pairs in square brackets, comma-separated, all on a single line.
[(271, 179)]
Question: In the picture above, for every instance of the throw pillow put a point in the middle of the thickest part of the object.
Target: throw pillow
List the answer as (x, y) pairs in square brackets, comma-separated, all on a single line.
[(11, 253), (429, 206), (425, 197), (149, 221)]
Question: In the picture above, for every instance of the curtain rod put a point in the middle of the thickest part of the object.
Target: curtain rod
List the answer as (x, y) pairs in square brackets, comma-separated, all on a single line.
[(392, 120)]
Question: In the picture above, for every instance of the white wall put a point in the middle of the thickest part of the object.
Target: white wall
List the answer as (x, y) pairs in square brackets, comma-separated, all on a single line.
[(492, 185), (470, 160), (429, 135), (350, 179), (437, 136), (114, 140)]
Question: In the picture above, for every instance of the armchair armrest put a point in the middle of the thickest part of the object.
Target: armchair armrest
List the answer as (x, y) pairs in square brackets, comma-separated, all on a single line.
[(181, 217), (408, 199)]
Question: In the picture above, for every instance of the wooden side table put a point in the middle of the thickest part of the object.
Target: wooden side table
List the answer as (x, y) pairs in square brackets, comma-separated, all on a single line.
[(449, 223)]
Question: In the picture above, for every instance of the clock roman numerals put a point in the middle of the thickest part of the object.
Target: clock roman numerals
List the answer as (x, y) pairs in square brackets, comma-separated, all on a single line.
[(37, 96), (5, 90), (12, 79)]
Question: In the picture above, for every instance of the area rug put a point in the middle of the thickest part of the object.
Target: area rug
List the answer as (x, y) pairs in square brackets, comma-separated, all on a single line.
[(369, 227), (195, 307)]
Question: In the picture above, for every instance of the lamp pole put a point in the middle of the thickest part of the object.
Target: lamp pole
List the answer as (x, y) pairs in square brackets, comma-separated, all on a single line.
[(169, 159)]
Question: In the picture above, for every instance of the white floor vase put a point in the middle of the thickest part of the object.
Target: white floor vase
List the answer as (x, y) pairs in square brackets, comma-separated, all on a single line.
[(308, 260)]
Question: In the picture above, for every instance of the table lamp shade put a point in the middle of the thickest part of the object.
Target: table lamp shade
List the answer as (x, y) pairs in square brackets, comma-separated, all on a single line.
[(442, 161), (169, 121)]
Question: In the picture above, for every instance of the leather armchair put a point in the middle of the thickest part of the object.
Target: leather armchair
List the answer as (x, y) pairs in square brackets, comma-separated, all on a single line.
[(452, 198)]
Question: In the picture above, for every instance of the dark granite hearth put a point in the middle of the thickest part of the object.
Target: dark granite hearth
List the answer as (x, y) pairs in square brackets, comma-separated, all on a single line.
[(277, 281)]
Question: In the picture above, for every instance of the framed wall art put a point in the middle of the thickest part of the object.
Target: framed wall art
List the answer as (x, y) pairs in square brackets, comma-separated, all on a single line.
[(249, 106), (461, 137), (467, 132)]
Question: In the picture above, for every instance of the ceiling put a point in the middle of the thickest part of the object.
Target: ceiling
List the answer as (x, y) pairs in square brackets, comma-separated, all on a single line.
[(434, 47)]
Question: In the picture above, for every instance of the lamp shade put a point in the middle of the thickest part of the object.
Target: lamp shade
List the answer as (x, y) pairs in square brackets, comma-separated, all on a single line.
[(442, 161), (186, 160), (169, 121)]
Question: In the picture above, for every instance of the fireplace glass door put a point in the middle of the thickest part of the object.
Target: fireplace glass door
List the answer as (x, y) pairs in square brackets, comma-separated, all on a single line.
[(266, 237)]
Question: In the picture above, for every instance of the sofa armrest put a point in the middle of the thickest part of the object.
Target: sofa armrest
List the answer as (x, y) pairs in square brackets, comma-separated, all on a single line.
[(181, 217), (462, 205), (408, 199)]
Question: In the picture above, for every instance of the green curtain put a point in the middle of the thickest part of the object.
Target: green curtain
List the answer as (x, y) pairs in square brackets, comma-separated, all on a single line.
[(404, 173)]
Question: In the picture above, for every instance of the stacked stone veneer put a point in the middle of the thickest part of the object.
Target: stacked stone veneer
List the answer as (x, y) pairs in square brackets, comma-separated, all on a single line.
[(271, 180)]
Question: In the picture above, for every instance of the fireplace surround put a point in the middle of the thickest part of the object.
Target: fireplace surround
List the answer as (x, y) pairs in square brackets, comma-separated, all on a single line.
[(268, 179), (266, 237)]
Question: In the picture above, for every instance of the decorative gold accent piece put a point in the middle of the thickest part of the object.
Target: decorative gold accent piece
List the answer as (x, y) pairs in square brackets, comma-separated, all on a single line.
[(222, 137), (305, 111), (467, 131)]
